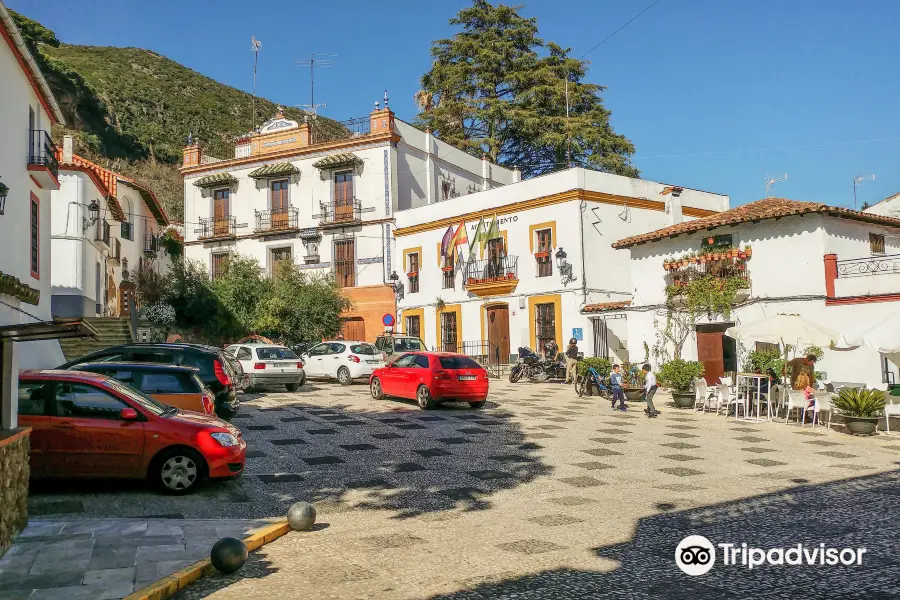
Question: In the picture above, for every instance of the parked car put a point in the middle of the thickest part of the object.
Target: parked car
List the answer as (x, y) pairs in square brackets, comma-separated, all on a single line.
[(217, 370), (344, 360), (167, 384), (90, 425), (393, 346), (269, 364), (431, 378)]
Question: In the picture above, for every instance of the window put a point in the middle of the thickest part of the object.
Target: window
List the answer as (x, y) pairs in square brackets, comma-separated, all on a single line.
[(448, 331), (458, 362), (221, 211), (365, 349), (766, 346), (87, 402), (33, 397), (421, 361), (876, 243), (244, 354), (335, 348), (408, 345), (279, 198), (495, 266), (319, 350), (414, 326), (449, 270), (161, 383), (413, 272), (405, 361), (544, 324), (345, 262), (544, 255), (35, 214), (217, 268), (343, 196), (127, 227), (277, 255), (275, 354), (160, 358)]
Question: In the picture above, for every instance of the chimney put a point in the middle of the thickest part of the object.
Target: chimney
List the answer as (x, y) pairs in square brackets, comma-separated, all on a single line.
[(68, 144), (485, 172), (831, 273), (673, 203), (516, 175)]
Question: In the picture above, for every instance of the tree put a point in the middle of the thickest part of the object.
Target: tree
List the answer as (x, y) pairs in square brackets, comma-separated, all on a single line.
[(199, 312), (241, 289), (491, 91)]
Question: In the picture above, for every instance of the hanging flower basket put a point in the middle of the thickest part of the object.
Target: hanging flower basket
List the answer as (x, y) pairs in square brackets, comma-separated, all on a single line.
[(447, 269), (510, 275), (412, 273), (733, 253), (667, 265), (541, 254), (702, 259), (710, 240), (748, 251)]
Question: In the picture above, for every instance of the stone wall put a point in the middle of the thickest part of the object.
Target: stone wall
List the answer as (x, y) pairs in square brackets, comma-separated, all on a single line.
[(14, 471)]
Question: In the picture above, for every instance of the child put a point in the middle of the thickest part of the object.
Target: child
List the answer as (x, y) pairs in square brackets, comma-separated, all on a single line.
[(618, 393), (650, 388), (803, 383)]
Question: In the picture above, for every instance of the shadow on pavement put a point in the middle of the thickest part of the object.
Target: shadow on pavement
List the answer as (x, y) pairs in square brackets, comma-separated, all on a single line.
[(256, 567), (853, 513)]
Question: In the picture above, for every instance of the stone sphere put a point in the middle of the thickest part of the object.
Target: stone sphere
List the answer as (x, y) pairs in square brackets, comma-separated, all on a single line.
[(228, 555), (301, 516)]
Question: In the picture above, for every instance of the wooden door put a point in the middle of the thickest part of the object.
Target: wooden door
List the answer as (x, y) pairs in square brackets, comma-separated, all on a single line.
[(343, 196), (220, 212), (354, 329), (498, 334), (280, 204), (709, 352)]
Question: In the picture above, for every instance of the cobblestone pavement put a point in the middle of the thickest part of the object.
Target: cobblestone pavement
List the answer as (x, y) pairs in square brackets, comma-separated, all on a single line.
[(105, 558), (541, 494)]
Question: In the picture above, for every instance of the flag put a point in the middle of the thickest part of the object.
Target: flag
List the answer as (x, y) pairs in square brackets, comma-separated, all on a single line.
[(492, 233), (458, 238), (445, 242), (479, 232)]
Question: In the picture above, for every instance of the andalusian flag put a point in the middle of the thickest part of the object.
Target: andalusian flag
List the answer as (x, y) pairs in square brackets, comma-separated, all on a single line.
[(445, 242), (479, 233), (492, 233)]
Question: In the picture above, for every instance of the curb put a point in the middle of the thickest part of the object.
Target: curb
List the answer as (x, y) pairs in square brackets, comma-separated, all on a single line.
[(177, 581)]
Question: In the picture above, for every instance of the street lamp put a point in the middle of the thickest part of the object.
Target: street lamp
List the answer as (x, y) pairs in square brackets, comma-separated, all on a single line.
[(396, 285), (565, 269), (94, 212), (4, 191)]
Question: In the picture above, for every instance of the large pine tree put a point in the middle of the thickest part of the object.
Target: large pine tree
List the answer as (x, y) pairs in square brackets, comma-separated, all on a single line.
[(497, 88)]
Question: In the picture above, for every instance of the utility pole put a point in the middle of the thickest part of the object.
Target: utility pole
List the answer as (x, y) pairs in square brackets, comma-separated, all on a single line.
[(256, 46), (856, 181), (568, 132)]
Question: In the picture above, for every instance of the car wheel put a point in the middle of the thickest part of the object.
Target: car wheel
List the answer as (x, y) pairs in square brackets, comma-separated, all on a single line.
[(375, 388), (424, 399), (303, 380), (178, 470), (292, 387), (479, 404), (343, 376)]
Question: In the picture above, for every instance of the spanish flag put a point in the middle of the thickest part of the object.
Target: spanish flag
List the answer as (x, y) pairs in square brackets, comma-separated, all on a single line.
[(460, 236)]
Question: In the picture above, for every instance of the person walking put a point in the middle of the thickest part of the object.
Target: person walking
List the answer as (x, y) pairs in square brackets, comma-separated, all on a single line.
[(650, 388), (572, 361), (617, 381)]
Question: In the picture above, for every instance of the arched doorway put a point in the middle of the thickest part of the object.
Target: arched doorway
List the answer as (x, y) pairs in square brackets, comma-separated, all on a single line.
[(497, 326)]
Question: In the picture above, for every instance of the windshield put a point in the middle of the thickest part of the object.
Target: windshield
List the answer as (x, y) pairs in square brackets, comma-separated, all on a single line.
[(157, 408), (275, 354), (408, 345), (458, 362)]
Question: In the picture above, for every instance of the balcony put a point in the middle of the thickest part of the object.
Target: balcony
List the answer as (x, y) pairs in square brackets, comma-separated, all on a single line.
[(42, 163), (115, 252), (277, 219), (103, 232), (151, 244), (493, 276), (340, 213), (869, 276), (727, 265), (216, 228)]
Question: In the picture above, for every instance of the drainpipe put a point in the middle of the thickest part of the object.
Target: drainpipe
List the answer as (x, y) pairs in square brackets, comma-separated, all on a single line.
[(429, 167)]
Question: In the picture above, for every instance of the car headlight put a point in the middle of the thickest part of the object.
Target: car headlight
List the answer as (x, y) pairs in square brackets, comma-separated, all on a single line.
[(226, 439)]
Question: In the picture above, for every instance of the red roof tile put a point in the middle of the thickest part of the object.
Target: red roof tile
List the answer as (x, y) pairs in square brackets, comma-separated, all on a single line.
[(769, 208), (604, 306)]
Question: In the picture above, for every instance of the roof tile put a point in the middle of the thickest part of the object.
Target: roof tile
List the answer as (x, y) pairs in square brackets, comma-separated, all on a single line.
[(604, 306)]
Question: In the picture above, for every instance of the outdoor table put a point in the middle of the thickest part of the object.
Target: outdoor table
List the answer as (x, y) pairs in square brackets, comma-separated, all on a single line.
[(749, 382)]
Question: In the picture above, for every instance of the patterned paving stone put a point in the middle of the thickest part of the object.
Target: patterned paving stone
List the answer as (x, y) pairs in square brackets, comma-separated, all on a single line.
[(454, 440), (540, 436), (473, 430), (555, 520), (679, 487), (429, 418), (572, 501), (386, 436), (822, 443), (810, 433), (321, 460), (615, 431), (683, 427), (488, 475), (321, 431), (405, 467), (559, 419), (409, 426), (593, 466), (581, 482), (833, 454), (463, 493), (270, 409), (529, 446), (371, 484), (288, 442), (432, 452), (608, 440), (680, 435), (280, 478), (746, 429), (681, 471), (602, 452), (293, 419), (758, 450), (765, 462), (752, 439), (260, 428), (680, 446), (548, 427), (392, 541), (530, 547), (357, 447), (255, 454), (392, 420), (681, 457), (511, 458)]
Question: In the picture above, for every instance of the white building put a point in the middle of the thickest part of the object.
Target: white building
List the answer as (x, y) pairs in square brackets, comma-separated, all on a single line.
[(889, 207), (104, 224), (517, 291), (833, 265), (323, 196)]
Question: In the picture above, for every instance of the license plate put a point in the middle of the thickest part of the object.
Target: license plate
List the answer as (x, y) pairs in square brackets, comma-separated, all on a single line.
[(467, 378), (371, 362), (287, 364)]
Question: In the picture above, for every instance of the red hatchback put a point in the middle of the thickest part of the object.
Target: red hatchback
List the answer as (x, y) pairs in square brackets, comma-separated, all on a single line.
[(89, 425), (431, 378)]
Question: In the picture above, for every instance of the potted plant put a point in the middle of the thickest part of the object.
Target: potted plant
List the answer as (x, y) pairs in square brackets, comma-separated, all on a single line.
[(748, 251), (733, 252), (679, 375), (860, 408)]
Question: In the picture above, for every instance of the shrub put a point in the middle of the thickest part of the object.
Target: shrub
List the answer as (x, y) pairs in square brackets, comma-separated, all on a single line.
[(679, 375), (763, 360), (160, 314), (855, 402), (601, 365)]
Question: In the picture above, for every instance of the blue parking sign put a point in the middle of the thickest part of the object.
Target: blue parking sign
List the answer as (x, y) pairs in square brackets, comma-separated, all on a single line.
[(577, 333)]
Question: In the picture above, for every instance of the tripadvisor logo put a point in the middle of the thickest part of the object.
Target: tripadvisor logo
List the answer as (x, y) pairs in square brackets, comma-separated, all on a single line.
[(696, 555)]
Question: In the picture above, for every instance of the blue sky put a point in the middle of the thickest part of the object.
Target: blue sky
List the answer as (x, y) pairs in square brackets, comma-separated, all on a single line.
[(715, 94)]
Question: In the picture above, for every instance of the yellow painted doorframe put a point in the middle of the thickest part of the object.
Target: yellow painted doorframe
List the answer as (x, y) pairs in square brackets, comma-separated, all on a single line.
[(450, 308), (412, 312), (533, 301), (484, 310)]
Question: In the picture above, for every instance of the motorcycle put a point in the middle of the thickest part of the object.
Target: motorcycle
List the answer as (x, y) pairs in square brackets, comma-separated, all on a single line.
[(535, 368)]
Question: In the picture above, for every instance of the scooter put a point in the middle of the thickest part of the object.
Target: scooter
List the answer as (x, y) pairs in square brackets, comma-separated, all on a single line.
[(535, 368)]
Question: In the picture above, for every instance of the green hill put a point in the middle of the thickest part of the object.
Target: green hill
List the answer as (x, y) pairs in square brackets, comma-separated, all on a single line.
[(131, 109)]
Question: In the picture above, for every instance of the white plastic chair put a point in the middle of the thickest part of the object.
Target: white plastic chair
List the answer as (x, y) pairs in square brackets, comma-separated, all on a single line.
[(702, 395), (796, 399), (889, 411), (726, 399), (773, 399), (822, 404)]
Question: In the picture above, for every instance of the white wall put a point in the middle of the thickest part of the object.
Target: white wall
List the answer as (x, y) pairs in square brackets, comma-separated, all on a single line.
[(889, 207)]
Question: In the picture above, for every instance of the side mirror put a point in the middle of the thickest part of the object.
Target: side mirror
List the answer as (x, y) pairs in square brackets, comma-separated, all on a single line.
[(128, 414)]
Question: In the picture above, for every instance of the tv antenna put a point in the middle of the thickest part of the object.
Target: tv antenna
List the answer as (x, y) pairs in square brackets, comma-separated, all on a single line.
[(856, 181), (771, 181), (312, 62), (256, 46)]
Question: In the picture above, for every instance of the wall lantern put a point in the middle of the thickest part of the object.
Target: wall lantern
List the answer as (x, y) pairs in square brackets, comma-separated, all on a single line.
[(565, 269), (4, 191), (94, 212), (396, 285)]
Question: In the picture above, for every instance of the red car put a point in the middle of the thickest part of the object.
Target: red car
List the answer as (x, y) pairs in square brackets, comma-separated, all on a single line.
[(431, 378), (90, 425)]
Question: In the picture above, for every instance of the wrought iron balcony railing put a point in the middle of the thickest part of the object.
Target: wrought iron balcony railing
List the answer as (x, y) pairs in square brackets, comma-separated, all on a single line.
[(42, 151), (873, 265), (277, 219), (217, 227), (682, 272), (151, 243), (103, 232), (491, 269), (340, 212)]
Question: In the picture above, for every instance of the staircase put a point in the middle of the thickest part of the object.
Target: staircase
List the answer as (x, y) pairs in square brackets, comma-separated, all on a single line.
[(112, 331)]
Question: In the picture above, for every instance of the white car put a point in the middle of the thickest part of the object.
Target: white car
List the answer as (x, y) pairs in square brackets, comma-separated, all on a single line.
[(344, 360), (270, 364)]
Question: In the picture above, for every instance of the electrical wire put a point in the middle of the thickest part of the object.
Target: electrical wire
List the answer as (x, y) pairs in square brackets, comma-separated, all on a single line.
[(25, 312), (774, 149), (627, 23)]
